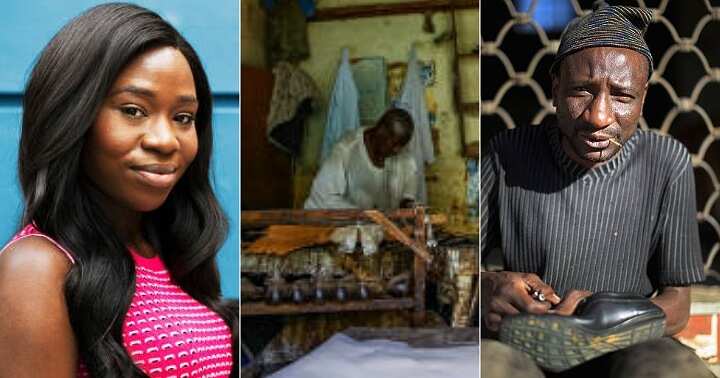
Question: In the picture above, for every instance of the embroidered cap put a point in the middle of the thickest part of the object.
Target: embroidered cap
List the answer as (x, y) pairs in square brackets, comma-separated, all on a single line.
[(614, 26)]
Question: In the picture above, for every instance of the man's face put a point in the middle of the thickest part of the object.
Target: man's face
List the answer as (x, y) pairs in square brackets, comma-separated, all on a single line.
[(599, 93), (391, 143)]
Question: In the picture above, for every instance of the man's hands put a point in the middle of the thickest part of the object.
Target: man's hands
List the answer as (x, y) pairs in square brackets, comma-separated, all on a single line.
[(675, 303), (509, 293), (569, 304), (407, 203)]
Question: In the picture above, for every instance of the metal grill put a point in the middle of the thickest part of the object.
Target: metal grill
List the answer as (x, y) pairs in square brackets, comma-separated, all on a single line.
[(683, 40)]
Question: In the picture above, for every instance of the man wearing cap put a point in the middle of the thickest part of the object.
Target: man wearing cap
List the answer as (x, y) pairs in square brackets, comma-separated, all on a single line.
[(584, 204)]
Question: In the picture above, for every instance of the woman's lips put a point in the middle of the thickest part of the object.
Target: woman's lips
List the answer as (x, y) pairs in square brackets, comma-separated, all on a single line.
[(156, 175)]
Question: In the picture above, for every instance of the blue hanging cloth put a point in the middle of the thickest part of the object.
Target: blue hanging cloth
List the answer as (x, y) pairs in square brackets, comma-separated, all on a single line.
[(307, 6), (412, 99), (343, 112), (473, 189)]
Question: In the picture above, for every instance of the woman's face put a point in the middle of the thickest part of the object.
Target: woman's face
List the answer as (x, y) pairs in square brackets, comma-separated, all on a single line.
[(144, 137)]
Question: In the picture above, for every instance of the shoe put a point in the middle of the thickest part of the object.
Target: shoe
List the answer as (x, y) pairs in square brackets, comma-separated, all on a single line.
[(604, 323)]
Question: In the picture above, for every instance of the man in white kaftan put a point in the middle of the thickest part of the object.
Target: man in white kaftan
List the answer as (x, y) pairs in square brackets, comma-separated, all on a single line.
[(369, 168)]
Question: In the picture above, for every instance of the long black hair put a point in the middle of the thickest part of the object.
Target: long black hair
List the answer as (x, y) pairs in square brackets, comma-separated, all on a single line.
[(63, 96)]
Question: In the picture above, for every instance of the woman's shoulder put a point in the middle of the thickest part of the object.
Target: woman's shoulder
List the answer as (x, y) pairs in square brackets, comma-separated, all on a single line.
[(34, 315), (32, 278), (31, 237), (32, 252), (34, 255)]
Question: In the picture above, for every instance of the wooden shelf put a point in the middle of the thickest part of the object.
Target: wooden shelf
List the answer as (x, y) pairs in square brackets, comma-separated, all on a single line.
[(410, 7), (323, 217), (254, 309), (415, 303)]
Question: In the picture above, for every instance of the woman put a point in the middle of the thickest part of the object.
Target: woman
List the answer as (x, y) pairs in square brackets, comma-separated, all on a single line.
[(114, 273)]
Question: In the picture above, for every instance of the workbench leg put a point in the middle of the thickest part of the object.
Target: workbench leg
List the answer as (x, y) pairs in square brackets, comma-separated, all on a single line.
[(420, 269), (463, 307)]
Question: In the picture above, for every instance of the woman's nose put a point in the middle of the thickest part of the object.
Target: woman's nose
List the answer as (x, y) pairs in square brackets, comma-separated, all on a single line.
[(160, 136)]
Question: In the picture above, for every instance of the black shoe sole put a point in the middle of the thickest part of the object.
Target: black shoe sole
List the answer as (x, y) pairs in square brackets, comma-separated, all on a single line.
[(557, 343)]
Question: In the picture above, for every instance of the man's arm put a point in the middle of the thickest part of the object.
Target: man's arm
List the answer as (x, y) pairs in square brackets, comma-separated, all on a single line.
[(329, 188), (679, 262), (410, 174), (675, 303)]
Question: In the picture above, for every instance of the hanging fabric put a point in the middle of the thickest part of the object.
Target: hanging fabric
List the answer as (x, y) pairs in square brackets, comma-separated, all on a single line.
[(293, 100), (286, 33), (412, 99), (343, 112)]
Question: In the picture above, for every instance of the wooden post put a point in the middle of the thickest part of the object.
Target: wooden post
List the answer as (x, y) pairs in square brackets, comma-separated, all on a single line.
[(419, 248), (420, 268)]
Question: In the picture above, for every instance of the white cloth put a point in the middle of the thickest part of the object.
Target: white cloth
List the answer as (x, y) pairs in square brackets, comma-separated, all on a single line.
[(412, 100), (343, 109), (344, 357), (349, 180), (370, 235)]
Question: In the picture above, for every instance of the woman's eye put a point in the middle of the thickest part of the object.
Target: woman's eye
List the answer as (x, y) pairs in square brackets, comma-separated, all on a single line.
[(132, 111), (185, 119)]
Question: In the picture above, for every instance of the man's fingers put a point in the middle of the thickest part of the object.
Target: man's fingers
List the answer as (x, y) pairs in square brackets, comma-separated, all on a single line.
[(497, 310), (492, 321), (509, 293), (502, 307), (524, 302), (536, 284), (571, 301), (553, 297), (550, 295), (536, 307)]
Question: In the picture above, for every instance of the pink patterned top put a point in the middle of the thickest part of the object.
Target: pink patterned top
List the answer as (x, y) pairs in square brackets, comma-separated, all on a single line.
[(167, 333)]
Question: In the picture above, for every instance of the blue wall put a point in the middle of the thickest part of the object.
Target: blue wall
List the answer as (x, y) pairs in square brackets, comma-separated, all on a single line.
[(212, 30)]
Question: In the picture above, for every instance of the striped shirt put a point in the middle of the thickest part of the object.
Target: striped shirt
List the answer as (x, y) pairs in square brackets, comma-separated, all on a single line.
[(628, 225)]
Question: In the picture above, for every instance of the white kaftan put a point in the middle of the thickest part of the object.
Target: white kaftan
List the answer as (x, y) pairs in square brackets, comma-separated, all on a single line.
[(349, 180)]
